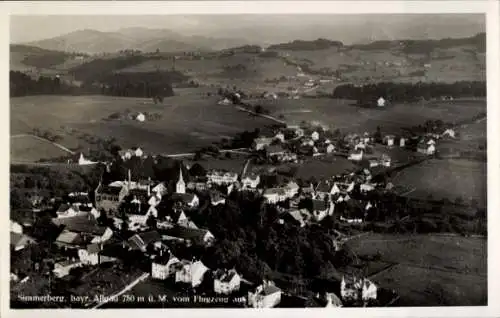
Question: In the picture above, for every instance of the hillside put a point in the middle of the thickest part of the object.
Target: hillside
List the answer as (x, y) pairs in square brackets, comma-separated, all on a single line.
[(142, 39)]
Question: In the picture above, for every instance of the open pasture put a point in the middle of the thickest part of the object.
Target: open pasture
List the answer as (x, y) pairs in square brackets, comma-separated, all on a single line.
[(26, 148), (342, 114), (187, 122), (446, 179), (431, 269)]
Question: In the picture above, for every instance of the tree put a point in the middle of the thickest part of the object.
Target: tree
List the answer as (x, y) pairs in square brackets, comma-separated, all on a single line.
[(151, 221)]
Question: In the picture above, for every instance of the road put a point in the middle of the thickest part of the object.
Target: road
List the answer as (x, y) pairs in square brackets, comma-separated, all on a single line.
[(46, 140), (261, 115)]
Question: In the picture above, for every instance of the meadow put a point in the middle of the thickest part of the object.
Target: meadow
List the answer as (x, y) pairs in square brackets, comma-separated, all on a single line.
[(342, 114), (446, 179), (430, 269), (188, 121), (30, 149)]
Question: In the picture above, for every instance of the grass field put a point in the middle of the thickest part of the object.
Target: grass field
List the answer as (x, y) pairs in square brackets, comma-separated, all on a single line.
[(29, 149), (430, 270), (341, 114), (188, 122), (446, 179)]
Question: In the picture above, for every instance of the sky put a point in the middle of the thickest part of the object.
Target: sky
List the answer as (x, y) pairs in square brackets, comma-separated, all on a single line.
[(347, 28)]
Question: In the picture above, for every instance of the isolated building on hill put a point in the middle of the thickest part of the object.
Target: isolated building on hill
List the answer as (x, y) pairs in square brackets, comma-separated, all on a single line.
[(226, 281)]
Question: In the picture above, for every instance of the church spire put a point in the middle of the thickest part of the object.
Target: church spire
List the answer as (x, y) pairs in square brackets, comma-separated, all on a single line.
[(180, 187)]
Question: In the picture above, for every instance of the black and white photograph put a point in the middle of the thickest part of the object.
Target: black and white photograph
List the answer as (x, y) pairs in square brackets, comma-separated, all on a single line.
[(248, 161)]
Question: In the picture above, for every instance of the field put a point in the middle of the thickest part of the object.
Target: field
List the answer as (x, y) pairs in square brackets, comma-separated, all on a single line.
[(446, 179), (188, 121), (29, 149), (430, 270), (343, 115)]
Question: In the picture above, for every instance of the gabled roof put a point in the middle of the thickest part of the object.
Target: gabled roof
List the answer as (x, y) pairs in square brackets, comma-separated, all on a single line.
[(93, 248), (141, 240), (70, 238), (319, 205), (270, 289), (225, 276), (16, 238), (80, 224)]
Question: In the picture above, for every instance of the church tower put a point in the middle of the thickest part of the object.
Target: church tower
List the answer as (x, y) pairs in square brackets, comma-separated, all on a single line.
[(180, 187)]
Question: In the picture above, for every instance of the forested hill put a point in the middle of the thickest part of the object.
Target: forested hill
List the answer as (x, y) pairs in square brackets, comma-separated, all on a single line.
[(300, 45)]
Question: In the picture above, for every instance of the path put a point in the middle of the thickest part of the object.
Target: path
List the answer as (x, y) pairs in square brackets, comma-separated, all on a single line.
[(261, 115), (46, 140), (125, 289)]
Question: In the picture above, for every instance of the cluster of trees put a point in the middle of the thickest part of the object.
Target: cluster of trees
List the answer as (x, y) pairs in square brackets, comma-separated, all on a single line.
[(300, 45), (409, 92), (24, 85), (426, 46)]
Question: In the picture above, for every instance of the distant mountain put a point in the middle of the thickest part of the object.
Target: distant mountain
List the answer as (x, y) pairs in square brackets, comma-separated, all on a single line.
[(143, 39)]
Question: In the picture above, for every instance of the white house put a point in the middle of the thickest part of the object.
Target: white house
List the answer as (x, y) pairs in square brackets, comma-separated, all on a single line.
[(221, 177), (402, 142), (356, 156), (381, 102), (449, 132), (140, 117), (162, 267), (191, 273), (62, 269), (91, 255), (426, 149), (226, 282), (266, 295), (315, 136), (330, 148), (16, 227), (389, 140), (291, 189), (275, 195), (250, 181), (160, 189), (82, 161), (353, 288), (225, 101), (280, 136)]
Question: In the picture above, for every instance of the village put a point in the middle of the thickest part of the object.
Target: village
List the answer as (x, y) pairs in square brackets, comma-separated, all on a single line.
[(150, 225)]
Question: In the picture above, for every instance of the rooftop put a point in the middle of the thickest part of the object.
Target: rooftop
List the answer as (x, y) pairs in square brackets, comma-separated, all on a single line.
[(80, 224)]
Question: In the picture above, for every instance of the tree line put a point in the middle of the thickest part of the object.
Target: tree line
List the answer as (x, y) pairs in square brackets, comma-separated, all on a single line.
[(409, 92)]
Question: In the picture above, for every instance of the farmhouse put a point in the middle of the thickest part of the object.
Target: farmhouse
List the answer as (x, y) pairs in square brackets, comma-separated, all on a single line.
[(87, 227), (226, 281), (356, 156), (69, 240), (163, 266), (91, 255), (266, 295), (191, 273), (426, 148), (221, 177)]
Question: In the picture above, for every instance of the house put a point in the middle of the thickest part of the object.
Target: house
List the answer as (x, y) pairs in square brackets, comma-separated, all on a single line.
[(356, 156), (329, 300), (19, 241), (70, 240), (381, 102), (275, 151), (369, 290), (315, 136), (389, 140), (191, 235), (402, 142), (108, 198), (140, 117), (297, 131), (63, 268), (322, 209), (90, 255), (330, 148), (190, 200), (449, 132), (353, 288), (197, 186), (16, 227), (250, 181), (374, 163), (87, 227), (261, 143), (141, 241), (291, 189), (160, 189), (163, 266), (226, 281), (222, 177), (280, 136), (66, 210), (426, 149), (129, 153), (275, 195), (217, 198), (266, 295), (301, 217), (307, 142), (385, 160), (324, 189), (366, 187), (178, 217), (191, 273)]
